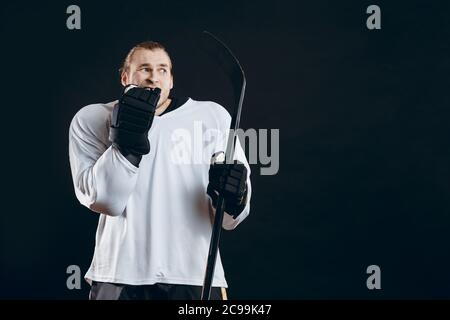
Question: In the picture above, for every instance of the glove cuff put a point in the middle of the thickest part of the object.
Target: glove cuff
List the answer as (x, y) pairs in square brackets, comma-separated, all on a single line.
[(233, 207), (133, 158)]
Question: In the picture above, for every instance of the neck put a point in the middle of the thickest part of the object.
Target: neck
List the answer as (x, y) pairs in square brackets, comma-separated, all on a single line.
[(160, 109)]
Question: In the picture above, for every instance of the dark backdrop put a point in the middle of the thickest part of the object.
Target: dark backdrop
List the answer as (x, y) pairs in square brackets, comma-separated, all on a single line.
[(364, 139)]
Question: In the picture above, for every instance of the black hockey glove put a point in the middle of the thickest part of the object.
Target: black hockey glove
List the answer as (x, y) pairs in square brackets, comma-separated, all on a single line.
[(230, 180), (131, 120)]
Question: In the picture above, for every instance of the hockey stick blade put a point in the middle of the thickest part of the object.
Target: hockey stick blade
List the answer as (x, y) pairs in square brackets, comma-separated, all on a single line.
[(230, 65)]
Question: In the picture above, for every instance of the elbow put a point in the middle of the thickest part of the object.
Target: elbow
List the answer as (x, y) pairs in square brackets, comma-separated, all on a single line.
[(96, 204), (98, 194), (108, 209)]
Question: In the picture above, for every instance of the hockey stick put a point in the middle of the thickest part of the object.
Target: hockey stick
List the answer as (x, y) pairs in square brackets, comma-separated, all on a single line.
[(230, 65)]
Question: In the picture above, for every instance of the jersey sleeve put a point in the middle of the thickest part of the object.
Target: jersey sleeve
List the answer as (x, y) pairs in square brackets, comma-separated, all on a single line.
[(102, 177), (229, 223)]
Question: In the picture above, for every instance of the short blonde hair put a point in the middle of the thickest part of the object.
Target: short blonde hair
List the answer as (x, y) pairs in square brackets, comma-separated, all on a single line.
[(149, 45)]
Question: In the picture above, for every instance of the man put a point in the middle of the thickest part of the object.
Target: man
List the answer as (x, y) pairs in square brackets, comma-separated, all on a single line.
[(134, 161)]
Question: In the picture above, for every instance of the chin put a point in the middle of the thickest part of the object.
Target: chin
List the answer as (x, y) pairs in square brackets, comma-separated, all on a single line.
[(166, 99)]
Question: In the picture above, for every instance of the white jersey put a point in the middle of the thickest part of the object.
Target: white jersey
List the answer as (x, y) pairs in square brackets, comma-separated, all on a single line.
[(156, 219)]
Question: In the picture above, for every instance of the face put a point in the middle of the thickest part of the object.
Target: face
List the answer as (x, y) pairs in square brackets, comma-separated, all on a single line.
[(150, 68)]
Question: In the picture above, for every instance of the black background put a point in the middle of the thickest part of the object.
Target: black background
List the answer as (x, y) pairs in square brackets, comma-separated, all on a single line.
[(363, 115)]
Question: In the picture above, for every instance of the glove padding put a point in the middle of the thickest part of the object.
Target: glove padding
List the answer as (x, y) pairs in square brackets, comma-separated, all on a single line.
[(132, 118), (230, 180)]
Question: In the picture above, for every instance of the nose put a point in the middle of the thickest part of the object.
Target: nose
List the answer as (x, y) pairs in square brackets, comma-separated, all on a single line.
[(150, 81), (153, 77)]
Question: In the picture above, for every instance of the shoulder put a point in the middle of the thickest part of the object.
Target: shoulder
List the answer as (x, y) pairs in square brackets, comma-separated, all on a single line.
[(213, 108), (93, 117)]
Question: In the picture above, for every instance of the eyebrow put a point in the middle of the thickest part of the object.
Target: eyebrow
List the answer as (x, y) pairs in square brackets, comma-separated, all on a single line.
[(159, 65)]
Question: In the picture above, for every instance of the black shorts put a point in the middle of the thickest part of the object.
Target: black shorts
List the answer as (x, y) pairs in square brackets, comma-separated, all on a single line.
[(157, 291)]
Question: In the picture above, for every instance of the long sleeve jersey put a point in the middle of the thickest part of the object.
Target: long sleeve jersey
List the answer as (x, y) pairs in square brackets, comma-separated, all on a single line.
[(155, 220)]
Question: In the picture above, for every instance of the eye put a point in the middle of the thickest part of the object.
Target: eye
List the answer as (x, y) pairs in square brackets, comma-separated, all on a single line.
[(163, 71), (145, 69)]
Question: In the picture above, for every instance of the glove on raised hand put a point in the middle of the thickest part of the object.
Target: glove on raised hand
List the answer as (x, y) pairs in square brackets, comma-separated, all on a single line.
[(131, 120)]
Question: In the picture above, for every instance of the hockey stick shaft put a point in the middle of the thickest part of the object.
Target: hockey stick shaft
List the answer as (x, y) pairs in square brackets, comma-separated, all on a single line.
[(229, 154)]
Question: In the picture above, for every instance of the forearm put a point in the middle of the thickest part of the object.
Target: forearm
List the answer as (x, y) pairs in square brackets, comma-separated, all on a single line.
[(106, 186), (229, 223)]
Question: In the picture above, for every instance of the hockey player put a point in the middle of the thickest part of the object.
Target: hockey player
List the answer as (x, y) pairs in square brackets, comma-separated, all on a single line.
[(155, 211)]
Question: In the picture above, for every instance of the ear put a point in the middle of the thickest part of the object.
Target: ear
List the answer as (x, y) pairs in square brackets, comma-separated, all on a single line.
[(124, 78), (171, 82)]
